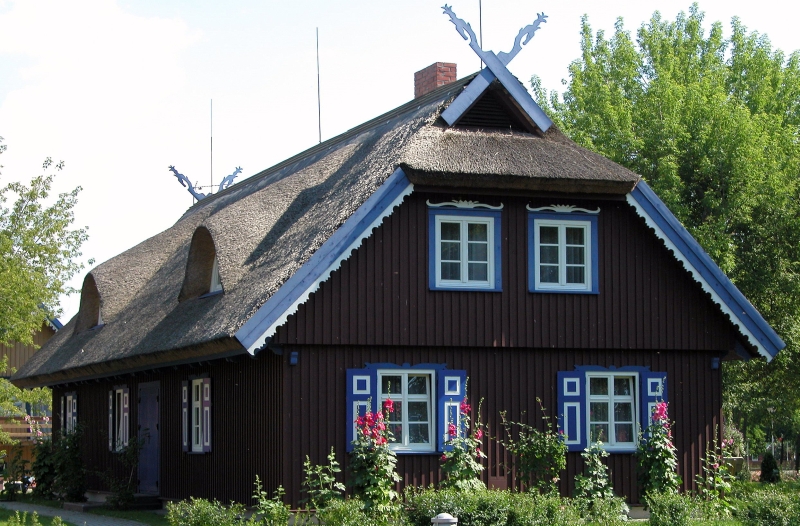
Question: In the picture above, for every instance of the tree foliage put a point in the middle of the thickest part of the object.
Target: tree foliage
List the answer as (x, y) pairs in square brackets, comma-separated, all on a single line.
[(38, 252), (713, 125)]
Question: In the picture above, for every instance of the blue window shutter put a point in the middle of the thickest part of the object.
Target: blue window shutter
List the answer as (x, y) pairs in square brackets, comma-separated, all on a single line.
[(450, 392), (362, 394), (572, 415), (653, 390), (185, 415), (111, 420), (126, 408), (206, 415)]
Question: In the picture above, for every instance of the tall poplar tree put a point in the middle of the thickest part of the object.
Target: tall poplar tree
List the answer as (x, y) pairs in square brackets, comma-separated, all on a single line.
[(713, 125)]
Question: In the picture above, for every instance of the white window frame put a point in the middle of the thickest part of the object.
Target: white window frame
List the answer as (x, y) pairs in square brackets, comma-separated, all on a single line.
[(120, 415), (403, 444), (611, 444), (196, 431), (71, 413), (562, 254), (465, 282), (216, 281)]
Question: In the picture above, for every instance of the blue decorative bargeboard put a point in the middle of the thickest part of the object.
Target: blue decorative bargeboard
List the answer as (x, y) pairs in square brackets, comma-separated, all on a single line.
[(226, 182)]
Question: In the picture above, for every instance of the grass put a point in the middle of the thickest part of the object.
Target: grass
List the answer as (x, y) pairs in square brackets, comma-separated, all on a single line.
[(45, 521), (145, 517)]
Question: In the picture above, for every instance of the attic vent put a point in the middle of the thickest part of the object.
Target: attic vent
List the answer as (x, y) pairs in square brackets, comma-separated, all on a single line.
[(492, 111), (89, 315), (202, 269)]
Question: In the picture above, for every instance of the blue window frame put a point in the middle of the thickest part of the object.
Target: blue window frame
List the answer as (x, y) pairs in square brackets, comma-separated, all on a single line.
[(464, 249), (563, 253), (610, 405), (426, 399)]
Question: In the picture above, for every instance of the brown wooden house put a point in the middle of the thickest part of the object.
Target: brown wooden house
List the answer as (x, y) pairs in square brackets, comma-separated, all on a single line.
[(458, 236)]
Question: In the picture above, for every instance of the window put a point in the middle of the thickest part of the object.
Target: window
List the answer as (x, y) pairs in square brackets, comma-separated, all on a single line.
[(464, 247), (118, 418), (609, 405), (196, 415), (203, 276), (69, 412), (425, 396), (216, 282), (563, 254)]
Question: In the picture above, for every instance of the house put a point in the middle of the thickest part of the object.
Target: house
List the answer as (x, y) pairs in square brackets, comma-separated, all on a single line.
[(17, 354), (457, 240)]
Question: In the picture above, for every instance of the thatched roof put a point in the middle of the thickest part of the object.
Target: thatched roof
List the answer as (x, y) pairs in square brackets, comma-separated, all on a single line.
[(266, 227)]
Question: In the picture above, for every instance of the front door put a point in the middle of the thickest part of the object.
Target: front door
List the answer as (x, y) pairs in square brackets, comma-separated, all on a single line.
[(150, 454)]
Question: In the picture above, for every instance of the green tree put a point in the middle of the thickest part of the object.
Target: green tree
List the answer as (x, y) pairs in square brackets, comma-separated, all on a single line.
[(713, 125), (38, 253)]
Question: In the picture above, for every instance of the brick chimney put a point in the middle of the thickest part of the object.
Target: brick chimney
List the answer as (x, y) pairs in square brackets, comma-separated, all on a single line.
[(435, 75)]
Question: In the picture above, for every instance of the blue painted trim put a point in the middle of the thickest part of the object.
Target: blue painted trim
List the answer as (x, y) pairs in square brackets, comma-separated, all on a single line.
[(298, 284), (593, 250), (732, 300), (498, 270), (426, 366)]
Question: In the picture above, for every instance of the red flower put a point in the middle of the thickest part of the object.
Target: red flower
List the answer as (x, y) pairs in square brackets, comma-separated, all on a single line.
[(451, 430), (660, 413), (479, 434), (388, 405), (465, 407)]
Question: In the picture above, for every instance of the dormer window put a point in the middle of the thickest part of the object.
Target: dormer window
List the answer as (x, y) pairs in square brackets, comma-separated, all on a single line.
[(202, 267), (89, 315)]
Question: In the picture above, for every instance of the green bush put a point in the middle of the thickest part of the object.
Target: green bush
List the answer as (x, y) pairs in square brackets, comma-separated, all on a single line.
[(351, 512), (44, 468), (70, 474), (770, 508), (489, 508), (200, 512), (769, 469), (669, 509)]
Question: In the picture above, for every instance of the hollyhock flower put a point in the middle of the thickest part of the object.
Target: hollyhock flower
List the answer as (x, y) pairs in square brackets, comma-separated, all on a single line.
[(444, 458), (451, 430), (479, 434), (660, 413), (465, 407), (370, 419), (388, 405)]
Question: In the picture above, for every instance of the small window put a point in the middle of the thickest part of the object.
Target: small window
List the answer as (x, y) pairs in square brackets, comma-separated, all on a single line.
[(612, 414), (216, 282), (196, 415), (69, 412), (465, 250), (203, 276), (118, 418), (562, 254)]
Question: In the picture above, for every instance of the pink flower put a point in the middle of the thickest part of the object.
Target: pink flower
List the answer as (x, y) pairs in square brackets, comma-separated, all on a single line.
[(660, 413), (388, 405), (479, 434), (444, 458), (465, 407), (451, 430)]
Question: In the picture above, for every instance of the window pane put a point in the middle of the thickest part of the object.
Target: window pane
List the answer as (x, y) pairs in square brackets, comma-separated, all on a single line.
[(417, 385), (623, 432), (623, 412), (622, 386), (451, 251), (548, 255), (478, 252), (397, 430), (418, 411), (598, 432), (575, 275), (391, 385), (451, 231), (598, 386), (477, 232), (397, 414), (451, 271), (575, 256), (548, 274), (478, 272), (575, 236), (548, 235), (598, 412), (418, 433)]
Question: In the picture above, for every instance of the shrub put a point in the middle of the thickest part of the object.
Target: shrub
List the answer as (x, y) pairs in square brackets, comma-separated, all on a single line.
[(269, 510), (540, 456), (372, 465), (461, 462), (44, 468), (657, 456), (669, 509), (594, 494), (347, 513), (771, 508), (769, 469), (200, 512), (320, 482), (533, 509), (123, 489), (70, 475)]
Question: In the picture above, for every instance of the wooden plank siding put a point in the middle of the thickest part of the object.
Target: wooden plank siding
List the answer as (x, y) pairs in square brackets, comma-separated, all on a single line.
[(19, 353), (246, 428), (380, 295), (507, 380)]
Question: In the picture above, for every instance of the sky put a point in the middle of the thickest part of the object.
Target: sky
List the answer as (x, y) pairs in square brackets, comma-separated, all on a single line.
[(120, 90)]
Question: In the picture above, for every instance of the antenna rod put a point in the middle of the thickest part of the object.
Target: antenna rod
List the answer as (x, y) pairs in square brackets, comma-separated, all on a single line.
[(319, 103), (212, 145), (480, 27)]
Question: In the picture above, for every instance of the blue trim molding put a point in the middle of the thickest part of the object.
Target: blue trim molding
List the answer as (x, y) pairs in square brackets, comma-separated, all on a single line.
[(689, 252)]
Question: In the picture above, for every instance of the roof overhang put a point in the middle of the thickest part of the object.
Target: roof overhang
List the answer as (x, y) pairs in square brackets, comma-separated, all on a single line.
[(749, 322)]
